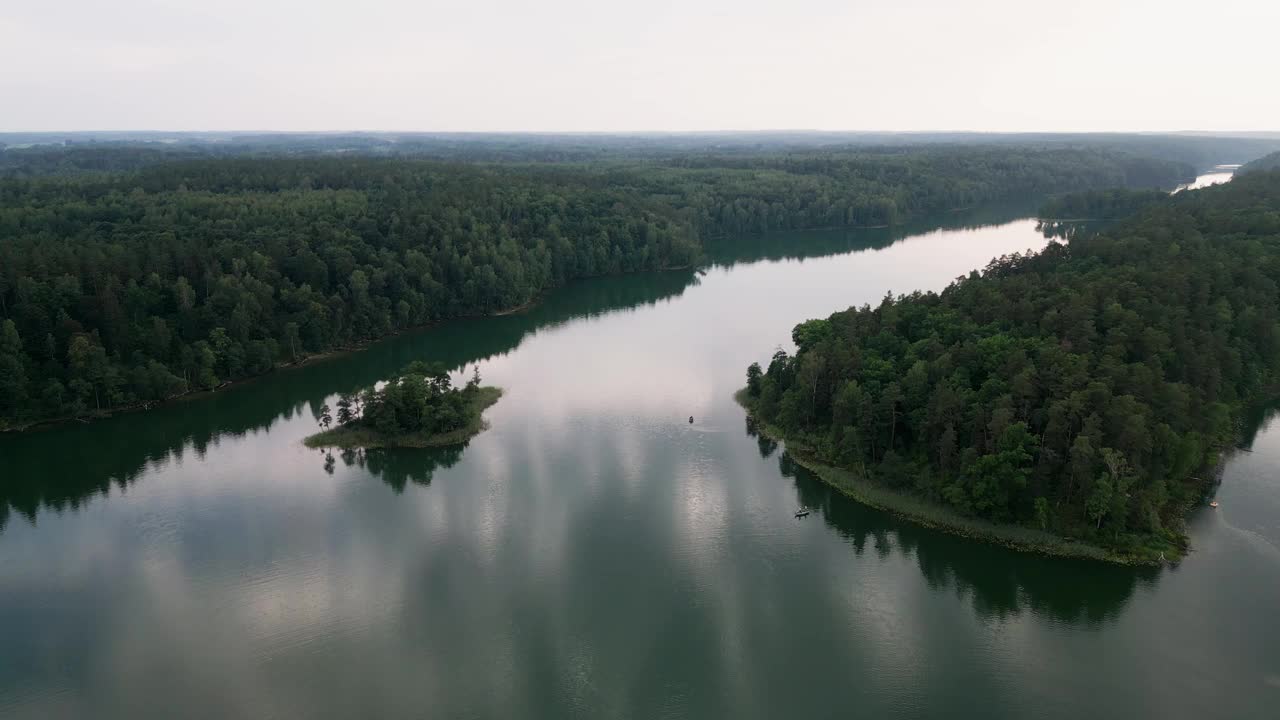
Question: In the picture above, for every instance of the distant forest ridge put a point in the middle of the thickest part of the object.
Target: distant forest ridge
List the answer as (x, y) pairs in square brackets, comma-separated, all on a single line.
[(135, 282), (45, 152), (1269, 162)]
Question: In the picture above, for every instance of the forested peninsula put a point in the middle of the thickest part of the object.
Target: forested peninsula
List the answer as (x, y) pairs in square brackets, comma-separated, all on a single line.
[(1074, 401), (122, 288)]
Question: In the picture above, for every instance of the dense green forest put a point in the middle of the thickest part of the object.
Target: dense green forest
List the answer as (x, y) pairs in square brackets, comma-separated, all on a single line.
[(1107, 204), (1080, 390), (1268, 162), (126, 288), (417, 408)]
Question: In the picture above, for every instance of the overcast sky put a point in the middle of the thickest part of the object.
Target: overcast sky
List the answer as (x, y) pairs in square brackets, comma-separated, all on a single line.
[(639, 65)]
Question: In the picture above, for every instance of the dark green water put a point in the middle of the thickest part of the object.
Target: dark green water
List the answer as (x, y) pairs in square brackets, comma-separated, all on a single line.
[(593, 554)]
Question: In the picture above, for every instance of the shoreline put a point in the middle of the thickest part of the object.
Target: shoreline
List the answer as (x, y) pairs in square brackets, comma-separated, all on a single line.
[(701, 263), (926, 513), (313, 358), (42, 424)]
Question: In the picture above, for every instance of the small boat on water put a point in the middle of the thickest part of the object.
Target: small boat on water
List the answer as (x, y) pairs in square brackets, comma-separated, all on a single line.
[(690, 419), (802, 512), (1213, 504)]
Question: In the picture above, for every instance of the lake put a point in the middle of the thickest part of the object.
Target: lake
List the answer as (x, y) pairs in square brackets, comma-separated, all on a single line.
[(594, 554)]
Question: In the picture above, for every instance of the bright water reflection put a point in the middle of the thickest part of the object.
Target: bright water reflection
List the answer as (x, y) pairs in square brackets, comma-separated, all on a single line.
[(1220, 174)]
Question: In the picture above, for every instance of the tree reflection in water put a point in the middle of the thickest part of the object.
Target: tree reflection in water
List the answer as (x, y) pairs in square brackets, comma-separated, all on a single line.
[(397, 467), (1000, 583)]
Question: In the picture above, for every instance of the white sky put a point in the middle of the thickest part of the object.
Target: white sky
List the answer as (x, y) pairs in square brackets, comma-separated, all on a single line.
[(639, 65)]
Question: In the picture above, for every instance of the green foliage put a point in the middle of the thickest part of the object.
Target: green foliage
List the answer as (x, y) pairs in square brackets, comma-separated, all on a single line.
[(754, 377), (1263, 164), (125, 288), (1107, 204), (422, 399), (1077, 390), (419, 407)]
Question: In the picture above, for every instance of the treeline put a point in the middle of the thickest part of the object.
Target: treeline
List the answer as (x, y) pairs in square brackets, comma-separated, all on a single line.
[(1110, 204), (420, 400), (91, 158), (121, 289), (1262, 164), (734, 194), (28, 154), (1084, 390)]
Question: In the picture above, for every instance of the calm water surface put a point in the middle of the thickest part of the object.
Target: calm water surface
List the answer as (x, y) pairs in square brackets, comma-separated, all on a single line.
[(593, 554), (1218, 175)]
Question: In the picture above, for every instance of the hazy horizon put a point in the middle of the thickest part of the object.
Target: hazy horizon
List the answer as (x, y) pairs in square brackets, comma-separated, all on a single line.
[(572, 66), (1261, 132)]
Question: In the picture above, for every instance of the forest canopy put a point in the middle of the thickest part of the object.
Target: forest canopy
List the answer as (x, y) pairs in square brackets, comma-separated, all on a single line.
[(1085, 390), (417, 408), (1109, 204), (124, 288), (1262, 164)]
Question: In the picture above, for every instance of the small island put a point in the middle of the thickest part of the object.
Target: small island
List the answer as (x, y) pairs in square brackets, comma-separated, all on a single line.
[(419, 408)]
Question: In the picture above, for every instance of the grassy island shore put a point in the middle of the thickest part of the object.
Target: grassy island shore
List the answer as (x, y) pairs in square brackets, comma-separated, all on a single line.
[(934, 515)]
